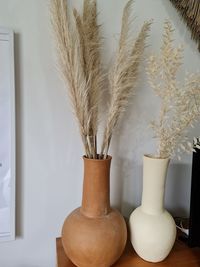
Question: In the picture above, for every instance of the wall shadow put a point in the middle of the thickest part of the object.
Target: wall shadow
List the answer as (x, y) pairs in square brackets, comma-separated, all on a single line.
[(178, 189)]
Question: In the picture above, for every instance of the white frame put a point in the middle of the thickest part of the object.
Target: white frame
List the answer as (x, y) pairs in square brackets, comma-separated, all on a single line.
[(8, 36)]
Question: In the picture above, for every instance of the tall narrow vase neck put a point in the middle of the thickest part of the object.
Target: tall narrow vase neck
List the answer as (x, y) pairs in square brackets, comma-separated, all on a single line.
[(154, 177), (96, 187)]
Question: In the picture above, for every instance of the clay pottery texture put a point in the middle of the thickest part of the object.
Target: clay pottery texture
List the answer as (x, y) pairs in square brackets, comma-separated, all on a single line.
[(152, 228), (95, 234)]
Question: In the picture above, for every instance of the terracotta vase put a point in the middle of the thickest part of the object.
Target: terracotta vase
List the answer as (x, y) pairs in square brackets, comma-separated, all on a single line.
[(152, 228), (95, 234)]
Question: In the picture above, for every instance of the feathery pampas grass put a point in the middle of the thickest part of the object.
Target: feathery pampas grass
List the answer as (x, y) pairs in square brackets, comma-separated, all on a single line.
[(180, 103), (78, 46), (123, 76)]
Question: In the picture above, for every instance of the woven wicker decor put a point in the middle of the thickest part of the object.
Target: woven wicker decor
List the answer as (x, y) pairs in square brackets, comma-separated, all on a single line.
[(190, 11)]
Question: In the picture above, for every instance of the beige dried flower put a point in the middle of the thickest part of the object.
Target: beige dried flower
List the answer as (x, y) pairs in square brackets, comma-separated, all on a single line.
[(180, 102), (124, 73), (78, 45)]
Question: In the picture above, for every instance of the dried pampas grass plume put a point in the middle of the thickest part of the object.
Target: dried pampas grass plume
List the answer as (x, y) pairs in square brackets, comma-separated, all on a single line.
[(78, 49), (78, 46), (180, 102), (124, 73)]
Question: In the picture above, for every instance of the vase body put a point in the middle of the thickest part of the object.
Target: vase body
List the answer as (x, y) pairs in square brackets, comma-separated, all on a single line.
[(152, 228), (95, 234)]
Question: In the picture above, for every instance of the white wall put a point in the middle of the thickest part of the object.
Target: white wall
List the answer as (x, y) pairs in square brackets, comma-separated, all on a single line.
[(49, 164)]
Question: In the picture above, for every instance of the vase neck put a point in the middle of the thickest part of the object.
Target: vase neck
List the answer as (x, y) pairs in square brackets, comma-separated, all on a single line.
[(154, 178), (96, 187)]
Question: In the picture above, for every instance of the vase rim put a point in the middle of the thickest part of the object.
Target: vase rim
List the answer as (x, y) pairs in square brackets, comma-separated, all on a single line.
[(99, 160), (153, 157)]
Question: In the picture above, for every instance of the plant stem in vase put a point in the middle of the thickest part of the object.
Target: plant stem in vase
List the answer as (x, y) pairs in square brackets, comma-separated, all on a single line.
[(152, 228), (95, 234)]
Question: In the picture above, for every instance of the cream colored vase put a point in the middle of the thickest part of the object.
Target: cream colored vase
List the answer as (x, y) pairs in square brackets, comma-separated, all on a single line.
[(152, 228)]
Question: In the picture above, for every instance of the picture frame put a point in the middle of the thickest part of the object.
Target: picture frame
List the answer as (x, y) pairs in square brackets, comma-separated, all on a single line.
[(7, 136), (194, 220)]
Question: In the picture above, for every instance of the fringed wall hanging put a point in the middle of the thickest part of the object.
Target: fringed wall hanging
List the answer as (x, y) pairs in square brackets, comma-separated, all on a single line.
[(190, 11)]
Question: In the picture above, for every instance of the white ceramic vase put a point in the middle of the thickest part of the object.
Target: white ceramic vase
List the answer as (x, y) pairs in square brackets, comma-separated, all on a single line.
[(152, 228)]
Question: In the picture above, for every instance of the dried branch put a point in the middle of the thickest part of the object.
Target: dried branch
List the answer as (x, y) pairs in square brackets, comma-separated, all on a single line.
[(179, 102)]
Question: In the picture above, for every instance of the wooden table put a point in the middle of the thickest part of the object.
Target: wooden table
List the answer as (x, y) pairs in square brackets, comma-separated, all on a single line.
[(181, 256)]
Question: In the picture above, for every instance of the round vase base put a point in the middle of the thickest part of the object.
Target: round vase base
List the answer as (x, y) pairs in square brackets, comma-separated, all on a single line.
[(152, 236), (97, 241)]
